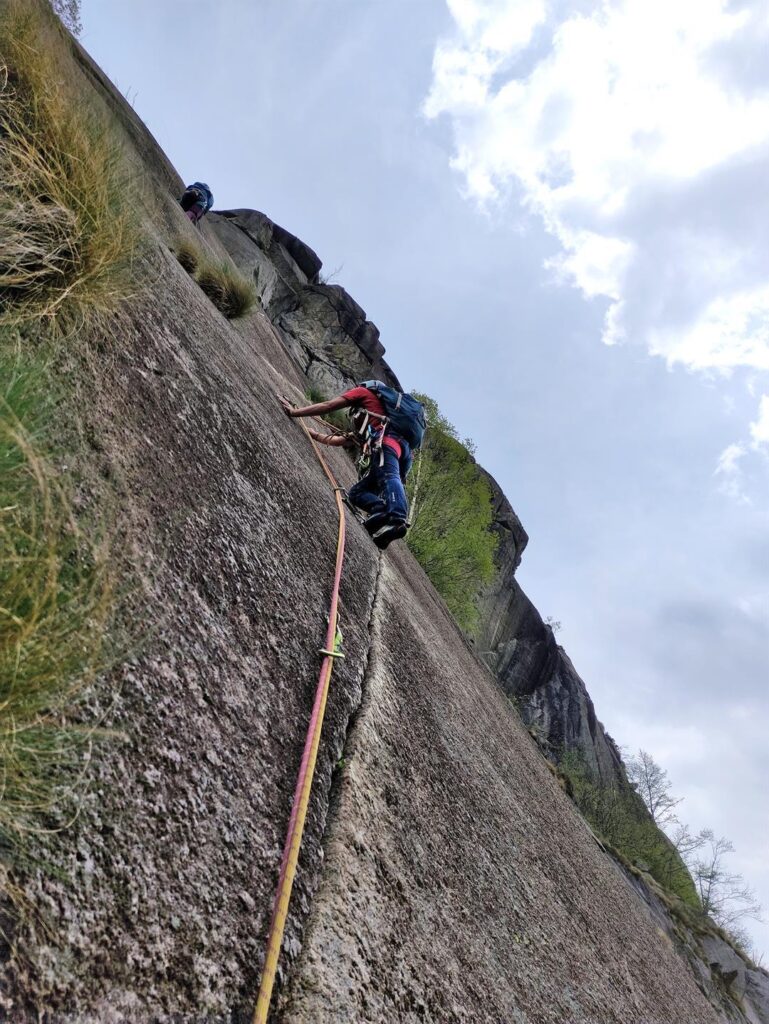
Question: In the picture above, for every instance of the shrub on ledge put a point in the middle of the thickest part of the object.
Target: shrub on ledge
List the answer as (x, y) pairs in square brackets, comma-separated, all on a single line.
[(451, 514)]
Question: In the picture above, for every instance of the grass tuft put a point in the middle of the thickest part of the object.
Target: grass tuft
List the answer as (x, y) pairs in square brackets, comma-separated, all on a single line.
[(55, 598), (188, 255), (231, 293), (67, 236)]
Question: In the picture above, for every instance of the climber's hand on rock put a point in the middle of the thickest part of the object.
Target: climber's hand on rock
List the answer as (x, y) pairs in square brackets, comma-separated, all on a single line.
[(287, 406)]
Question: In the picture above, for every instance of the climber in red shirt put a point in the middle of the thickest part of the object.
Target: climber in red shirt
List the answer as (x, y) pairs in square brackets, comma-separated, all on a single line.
[(380, 491)]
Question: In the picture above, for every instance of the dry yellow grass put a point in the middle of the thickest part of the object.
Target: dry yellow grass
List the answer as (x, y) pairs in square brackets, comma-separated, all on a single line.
[(227, 288), (188, 255), (55, 597), (232, 293), (67, 242), (67, 237)]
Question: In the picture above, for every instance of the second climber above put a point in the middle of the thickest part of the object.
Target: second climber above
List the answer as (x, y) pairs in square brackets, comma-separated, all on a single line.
[(197, 200)]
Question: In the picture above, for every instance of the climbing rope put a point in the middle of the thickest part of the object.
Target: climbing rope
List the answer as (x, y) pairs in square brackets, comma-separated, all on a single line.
[(330, 651)]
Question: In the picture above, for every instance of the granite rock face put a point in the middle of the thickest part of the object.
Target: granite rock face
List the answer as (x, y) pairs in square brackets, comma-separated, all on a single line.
[(444, 876), (726, 978), (521, 651), (324, 328), (331, 340)]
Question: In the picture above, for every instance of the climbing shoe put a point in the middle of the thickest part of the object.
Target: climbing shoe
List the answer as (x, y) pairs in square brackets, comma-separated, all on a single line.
[(389, 532), (377, 520)]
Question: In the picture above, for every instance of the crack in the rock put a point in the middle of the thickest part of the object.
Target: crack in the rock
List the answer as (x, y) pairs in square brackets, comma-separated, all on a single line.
[(336, 779), (335, 785), (333, 795)]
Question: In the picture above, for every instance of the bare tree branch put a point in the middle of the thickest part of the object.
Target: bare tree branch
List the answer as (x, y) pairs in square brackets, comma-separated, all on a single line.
[(653, 786)]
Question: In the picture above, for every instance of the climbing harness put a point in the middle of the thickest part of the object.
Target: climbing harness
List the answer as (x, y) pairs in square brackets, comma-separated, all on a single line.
[(367, 437), (331, 651)]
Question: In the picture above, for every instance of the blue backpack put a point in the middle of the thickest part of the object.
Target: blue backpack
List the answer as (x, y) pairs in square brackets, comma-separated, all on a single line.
[(405, 415)]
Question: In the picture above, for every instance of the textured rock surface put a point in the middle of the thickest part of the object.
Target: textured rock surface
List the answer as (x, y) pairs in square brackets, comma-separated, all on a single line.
[(331, 340), (459, 884), (456, 882), (161, 889), (323, 328), (738, 987)]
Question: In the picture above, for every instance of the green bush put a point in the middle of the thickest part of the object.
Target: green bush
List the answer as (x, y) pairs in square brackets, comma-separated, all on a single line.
[(617, 814), (314, 395), (451, 514)]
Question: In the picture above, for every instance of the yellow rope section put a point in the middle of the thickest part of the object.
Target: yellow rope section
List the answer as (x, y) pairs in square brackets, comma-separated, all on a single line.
[(306, 772)]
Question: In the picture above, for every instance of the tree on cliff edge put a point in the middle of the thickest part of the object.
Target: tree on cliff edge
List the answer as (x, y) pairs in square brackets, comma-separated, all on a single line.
[(653, 786), (724, 896)]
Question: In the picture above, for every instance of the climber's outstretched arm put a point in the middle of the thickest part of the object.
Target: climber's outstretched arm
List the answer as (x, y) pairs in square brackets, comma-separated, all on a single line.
[(319, 409)]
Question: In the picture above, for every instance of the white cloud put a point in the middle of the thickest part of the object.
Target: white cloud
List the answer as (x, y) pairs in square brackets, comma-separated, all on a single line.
[(729, 469), (759, 431), (730, 331), (490, 33), (627, 136), (729, 459), (729, 473)]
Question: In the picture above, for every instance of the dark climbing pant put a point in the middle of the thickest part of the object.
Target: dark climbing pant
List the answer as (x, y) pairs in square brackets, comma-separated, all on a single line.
[(381, 491)]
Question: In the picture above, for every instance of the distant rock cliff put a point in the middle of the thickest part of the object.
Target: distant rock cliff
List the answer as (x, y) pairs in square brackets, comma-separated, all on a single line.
[(323, 328), (520, 649)]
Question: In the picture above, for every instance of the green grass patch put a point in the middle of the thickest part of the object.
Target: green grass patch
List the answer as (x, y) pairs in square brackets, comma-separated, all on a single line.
[(451, 514), (339, 418), (56, 595), (617, 814), (67, 234)]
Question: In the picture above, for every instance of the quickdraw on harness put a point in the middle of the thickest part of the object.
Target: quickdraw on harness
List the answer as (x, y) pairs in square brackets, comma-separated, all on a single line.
[(368, 437)]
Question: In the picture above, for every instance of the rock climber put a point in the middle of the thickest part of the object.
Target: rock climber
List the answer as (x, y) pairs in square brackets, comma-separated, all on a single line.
[(386, 425), (197, 200)]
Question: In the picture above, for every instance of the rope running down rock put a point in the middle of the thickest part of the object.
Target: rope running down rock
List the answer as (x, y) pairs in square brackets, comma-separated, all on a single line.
[(293, 842)]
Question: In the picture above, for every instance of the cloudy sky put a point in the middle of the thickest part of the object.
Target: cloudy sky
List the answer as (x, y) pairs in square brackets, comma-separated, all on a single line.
[(556, 212)]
